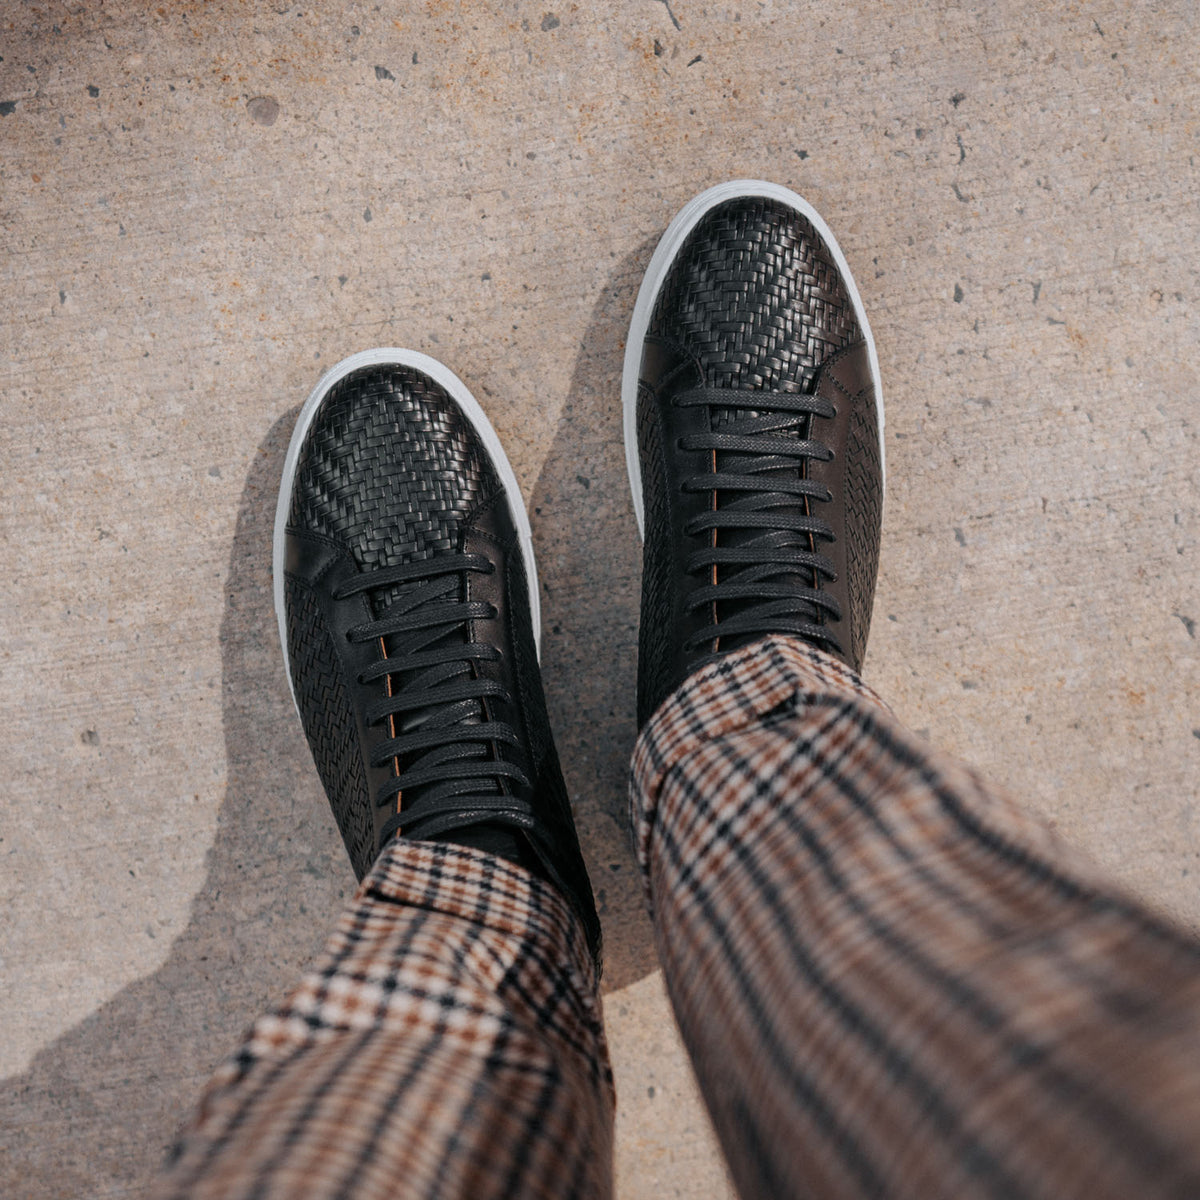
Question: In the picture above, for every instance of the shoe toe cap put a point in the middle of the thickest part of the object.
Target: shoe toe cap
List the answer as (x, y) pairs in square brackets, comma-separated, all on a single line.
[(390, 468), (755, 296)]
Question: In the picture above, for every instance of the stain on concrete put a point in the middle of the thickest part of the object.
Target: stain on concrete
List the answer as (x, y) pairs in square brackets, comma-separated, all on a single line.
[(263, 110)]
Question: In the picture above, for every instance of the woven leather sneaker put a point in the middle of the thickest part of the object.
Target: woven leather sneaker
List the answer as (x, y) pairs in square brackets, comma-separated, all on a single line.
[(753, 436), (407, 601)]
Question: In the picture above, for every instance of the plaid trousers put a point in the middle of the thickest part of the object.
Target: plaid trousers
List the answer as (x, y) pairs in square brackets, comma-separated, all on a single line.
[(891, 980)]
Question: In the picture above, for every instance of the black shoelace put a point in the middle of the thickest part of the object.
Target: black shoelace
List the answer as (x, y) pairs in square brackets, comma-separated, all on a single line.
[(765, 569), (445, 744)]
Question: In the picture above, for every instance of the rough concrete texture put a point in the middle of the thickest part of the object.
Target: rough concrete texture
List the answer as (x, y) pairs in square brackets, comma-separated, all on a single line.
[(202, 205)]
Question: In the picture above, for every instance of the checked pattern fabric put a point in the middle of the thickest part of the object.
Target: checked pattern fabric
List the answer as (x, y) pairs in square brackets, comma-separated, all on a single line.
[(447, 1043), (892, 982)]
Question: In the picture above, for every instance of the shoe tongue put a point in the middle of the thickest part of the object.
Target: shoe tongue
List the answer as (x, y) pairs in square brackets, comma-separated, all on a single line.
[(469, 712), (728, 421)]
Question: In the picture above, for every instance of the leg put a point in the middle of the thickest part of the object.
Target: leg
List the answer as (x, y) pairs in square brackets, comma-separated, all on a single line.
[(447, 1043), (892, 981)]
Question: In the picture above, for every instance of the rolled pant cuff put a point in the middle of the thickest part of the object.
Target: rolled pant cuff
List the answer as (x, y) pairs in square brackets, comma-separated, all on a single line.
[(742, 689), (456, 993), (525, 912)]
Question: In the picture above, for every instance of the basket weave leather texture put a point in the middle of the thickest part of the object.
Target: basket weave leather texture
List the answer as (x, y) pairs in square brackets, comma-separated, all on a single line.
[(656, 636), (390, 469), (864, 517), (329, 723), (755, 300), (392, 472)]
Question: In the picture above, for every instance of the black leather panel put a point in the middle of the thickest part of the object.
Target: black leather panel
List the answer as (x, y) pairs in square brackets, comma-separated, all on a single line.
[(752, 301)]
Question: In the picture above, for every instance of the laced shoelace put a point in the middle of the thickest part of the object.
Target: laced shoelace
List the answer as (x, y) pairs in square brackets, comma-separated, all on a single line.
[(444, 744), (763, 563)]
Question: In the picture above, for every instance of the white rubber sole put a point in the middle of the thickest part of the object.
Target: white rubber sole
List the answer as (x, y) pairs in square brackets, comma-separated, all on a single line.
[(445, 378), (660, 263)]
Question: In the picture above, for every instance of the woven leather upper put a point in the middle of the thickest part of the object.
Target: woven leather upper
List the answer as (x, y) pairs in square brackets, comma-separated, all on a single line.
[(391, 473), (390, 469), (752, 301), (755, 298)]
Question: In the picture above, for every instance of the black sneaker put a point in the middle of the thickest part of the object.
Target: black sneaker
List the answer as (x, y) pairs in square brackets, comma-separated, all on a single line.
[(407, 601), (753, 435)]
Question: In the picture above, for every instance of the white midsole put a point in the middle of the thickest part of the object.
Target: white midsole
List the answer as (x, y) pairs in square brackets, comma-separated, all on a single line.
[(660, 263), (445, 378)]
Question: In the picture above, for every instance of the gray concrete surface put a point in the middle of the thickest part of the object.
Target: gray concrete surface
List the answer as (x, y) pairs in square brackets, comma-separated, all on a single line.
[(204, 205)]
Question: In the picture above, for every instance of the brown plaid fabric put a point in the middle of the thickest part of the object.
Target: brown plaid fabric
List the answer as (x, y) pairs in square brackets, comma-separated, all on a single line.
[(448, 1043), (892, 982)]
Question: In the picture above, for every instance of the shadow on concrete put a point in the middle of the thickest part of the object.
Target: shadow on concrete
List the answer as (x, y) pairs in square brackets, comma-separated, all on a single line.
[(95, 1112), (590, 565)]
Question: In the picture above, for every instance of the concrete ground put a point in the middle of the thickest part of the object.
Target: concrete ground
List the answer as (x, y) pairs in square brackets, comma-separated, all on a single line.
[(203, 205)]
